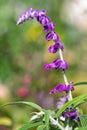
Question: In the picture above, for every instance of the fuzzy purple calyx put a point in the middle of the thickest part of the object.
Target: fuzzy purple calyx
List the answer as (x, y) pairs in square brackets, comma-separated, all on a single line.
[(52, 36), (44, 20), (73, 114), (57, 64), (62, 101), (55, 47), (49, 27), (62, 88)]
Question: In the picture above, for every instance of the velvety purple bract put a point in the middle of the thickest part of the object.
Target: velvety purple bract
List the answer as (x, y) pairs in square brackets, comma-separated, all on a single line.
[(49, 27), (64, 65), (53, 91), (48, 66), (45, 20), (55, 37), (73, 114), (60, 44), (55, 47), (57, 64), (62, 101), (62, 88), (49, 36), (42, 13)]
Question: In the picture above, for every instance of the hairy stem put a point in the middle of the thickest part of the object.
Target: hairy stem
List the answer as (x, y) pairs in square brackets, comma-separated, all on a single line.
[(55, 122), (64, 75)]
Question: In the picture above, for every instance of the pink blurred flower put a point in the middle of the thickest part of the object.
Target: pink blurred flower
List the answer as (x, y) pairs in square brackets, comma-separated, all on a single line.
[(27, 79), (22, 92)]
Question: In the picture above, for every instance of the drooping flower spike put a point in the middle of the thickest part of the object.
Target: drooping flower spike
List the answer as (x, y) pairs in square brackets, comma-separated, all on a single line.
[(45, 21), (49, 26)]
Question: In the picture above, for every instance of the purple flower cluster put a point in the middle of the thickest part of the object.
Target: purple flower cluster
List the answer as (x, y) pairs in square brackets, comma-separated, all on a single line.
[(73, 114), (62, 101), (47, 24), (57, 64), (62, 88)]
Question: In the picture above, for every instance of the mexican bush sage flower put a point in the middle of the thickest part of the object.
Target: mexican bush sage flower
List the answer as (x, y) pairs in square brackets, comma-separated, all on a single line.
[(57, 64), (73, 114), (62, 101), (49, 27), (62, 88), (55, 47)]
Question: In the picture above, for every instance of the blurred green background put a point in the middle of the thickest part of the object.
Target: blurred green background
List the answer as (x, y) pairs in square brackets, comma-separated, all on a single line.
[(23, 53)]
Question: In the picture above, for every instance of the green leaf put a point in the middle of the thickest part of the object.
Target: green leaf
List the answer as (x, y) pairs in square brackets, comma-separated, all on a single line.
[(80, 83), (47, 118), (30, 125), (83, 120), (82, 128), (24, 103), (41, 127), (54, 128), (74, 102)]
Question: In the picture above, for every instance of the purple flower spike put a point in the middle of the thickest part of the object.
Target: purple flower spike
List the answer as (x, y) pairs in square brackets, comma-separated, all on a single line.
[(31, 13), (23, 17)]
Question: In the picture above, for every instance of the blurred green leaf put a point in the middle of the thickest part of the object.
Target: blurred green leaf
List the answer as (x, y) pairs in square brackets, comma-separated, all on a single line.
[(82, 128), (24, 103), (80, 83), (41, 127), (47, 118), (30, 125), (83, 120)]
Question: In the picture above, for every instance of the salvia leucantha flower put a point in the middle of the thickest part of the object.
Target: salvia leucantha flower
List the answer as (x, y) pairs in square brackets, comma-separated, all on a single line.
[(62, 88), (72, 114), (62, 101), (57, 64)]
